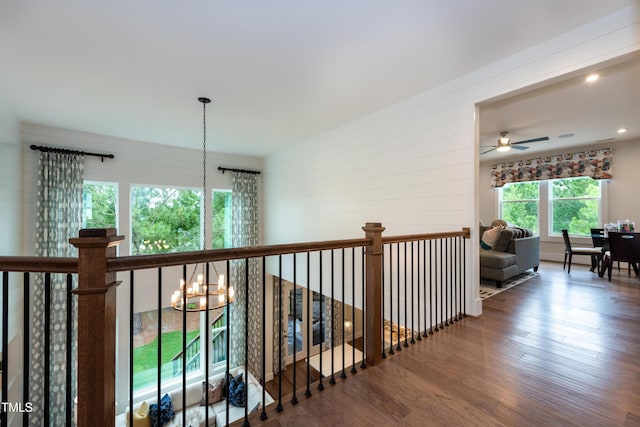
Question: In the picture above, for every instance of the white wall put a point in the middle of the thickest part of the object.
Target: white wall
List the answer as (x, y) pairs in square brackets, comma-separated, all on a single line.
[(617, 203), (135, 163), (414, 166), (10, 196)]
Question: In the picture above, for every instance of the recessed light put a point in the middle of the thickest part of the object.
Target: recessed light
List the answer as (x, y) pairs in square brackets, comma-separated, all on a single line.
[(592, 78), (622, 130), (566, 135)]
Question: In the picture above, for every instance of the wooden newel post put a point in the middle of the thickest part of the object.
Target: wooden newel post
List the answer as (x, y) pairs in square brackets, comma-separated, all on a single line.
[(373, 296), (96, 303)]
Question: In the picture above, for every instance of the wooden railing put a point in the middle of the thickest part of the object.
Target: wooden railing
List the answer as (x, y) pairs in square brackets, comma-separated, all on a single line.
[(97, 265)]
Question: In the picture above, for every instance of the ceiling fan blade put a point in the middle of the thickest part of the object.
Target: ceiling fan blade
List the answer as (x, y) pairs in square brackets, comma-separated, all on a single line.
[(518, 147), (485, 152), (542, 138)]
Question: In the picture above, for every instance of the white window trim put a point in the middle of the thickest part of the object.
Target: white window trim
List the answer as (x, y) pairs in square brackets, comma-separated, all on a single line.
[(544, 205)]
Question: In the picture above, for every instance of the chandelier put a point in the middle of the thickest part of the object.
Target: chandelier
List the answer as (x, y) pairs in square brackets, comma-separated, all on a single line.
[(198, 295)]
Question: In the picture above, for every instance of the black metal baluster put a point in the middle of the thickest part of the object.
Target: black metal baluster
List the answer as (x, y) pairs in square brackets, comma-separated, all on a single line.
[(159, 361), (425, 334), (131, 327), (419, 336), (5, 341), (413, 341), (384, 353), (227, 338), (47, 346), (280, 333), (246, 341), (406, 310), (25, 346), (206, 340), (184, 346), (464, 277), (363, 364), (332, 380), (309, 326), (455, 280), (391, 351), (294, 399), (322, 310), (442, 287), (435, 275), (353, 310), (431, 288), (398, 347), (69, 346), (263, 414), (446, 280), (343, 375)]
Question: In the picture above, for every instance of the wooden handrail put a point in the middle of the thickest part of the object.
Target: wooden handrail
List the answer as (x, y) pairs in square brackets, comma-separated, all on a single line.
[(139, 262), (36, 264), (465, 232)]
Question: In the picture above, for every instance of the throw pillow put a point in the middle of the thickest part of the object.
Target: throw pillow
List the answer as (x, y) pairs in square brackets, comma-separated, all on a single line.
[(212, 393), (489, 237), (166, 411), (140, 416), (236, 391), (502, 242)]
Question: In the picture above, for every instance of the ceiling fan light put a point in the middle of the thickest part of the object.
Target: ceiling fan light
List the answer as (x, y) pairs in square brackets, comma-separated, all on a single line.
[(504, 140), (503, 148)]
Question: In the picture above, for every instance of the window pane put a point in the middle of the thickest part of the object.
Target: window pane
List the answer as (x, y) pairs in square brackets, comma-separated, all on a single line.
[(99, 205), (522, 214), (575, 187), (164, 220), (575, 215), (221, 208), (145, 346), (521, 191)]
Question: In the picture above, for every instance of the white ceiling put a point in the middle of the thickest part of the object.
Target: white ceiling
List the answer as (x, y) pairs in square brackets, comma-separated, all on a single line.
[(278, 71), (591, 112)]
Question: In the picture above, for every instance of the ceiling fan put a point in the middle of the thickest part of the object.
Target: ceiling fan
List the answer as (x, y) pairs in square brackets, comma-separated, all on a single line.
[(504, 143)]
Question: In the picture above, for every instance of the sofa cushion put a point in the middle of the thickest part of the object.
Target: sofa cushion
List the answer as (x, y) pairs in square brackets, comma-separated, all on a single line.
[(166, 411), (212, 393), (140, 416), (494, 259)]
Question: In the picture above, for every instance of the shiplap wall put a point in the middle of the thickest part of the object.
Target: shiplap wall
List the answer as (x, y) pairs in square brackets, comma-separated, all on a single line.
[(10, 187), (414, 166)]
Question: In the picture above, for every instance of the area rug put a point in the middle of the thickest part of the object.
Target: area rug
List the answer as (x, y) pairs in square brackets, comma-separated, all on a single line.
[(488, 287)]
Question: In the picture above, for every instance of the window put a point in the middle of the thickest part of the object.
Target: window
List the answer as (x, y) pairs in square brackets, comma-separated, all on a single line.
[(519, 204), (165, 220), (99, 205), (574, 205), (221, 226), (548, 207)]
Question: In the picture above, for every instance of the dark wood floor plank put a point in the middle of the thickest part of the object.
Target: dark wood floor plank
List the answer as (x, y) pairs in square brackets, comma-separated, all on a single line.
[(558, 350)]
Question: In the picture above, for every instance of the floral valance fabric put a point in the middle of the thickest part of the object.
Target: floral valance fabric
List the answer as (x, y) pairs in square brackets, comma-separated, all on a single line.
[(594, 163)]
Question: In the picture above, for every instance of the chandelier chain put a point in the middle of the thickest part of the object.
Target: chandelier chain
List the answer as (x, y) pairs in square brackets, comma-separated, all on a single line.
[(204, 174)]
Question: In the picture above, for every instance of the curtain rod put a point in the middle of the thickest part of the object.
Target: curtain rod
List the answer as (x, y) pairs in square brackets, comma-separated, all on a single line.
[(220, 168), (67, 151)]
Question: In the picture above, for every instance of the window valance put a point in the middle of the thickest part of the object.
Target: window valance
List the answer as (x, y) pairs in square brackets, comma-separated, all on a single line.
[(594, 163)]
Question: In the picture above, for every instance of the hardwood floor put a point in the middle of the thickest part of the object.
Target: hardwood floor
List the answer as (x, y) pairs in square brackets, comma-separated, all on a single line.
[(559, 350)]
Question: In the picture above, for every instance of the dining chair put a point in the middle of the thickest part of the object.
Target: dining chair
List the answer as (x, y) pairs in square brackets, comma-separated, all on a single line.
[(601, 242), (570, 251), (623, 247)]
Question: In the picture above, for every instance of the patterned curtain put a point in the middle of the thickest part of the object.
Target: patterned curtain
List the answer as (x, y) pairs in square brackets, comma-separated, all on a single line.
[(335, 325), (245, 233), (595, 163), (59, 218), (280, 327)]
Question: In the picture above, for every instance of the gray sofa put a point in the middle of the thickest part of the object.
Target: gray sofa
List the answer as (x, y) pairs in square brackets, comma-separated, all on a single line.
[(515, 251)]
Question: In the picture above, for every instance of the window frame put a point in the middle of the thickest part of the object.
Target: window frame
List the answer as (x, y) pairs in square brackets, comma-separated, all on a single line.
[(544, 213)]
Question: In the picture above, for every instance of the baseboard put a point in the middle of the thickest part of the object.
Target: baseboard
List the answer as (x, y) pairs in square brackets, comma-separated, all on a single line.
[(556, 257)]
